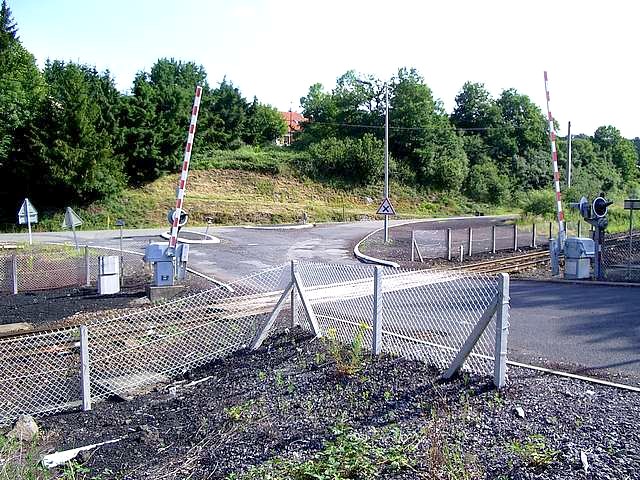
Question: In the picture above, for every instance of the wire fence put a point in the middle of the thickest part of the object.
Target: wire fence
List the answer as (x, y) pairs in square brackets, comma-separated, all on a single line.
[(50, 266), (424, 315), (451, 243), (621, 257)]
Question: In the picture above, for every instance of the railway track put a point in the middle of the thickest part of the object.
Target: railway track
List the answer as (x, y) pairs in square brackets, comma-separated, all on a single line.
[(508, 264)]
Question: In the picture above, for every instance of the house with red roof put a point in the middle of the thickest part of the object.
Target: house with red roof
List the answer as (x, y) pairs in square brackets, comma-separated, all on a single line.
[(294, 122)]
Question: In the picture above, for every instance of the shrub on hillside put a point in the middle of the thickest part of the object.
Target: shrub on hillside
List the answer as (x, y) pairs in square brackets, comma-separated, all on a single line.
[(486, 184), (356, 160), (540, 202)]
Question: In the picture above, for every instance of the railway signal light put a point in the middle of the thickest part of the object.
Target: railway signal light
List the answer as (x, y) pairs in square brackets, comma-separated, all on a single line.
[(600, 206)]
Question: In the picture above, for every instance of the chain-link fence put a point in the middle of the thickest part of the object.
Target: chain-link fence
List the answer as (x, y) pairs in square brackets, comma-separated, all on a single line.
[(621, 257), (451, 243), (424, 315), (50, 266)]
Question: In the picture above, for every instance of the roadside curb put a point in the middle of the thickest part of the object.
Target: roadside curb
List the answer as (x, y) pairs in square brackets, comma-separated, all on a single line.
[(280, 227), (387, 263)]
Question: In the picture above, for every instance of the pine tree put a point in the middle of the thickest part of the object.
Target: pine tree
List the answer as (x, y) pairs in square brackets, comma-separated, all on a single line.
[(8, 27)]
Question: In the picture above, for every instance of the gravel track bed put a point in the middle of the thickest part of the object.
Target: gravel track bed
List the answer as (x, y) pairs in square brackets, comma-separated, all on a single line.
[(285, 400)]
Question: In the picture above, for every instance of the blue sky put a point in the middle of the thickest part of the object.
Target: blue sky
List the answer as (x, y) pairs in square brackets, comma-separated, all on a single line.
[(275, 49)]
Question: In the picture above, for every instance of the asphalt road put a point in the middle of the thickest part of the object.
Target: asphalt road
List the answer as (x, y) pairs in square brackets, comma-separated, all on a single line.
[(582, 328)]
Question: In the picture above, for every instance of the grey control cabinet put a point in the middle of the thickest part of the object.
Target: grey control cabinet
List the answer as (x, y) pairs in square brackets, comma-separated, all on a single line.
[(579, 254), (166, 268)]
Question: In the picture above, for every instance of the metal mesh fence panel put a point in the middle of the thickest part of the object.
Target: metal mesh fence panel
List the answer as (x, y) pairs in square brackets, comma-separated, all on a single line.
[(432, 243), (426, 315), (39, 373), (621, 257)]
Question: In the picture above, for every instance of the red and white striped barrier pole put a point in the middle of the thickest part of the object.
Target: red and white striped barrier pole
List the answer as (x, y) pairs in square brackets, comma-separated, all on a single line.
[(173, 239), (556, 171)]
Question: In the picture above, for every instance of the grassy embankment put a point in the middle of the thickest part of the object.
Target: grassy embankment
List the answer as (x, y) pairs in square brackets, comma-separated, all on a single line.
[(248, 186)]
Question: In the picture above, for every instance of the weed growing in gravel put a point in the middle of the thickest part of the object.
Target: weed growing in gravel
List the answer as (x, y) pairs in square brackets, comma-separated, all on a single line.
[(349, 358), (351, 455), (534, 451), (20, 460), (240, 411)]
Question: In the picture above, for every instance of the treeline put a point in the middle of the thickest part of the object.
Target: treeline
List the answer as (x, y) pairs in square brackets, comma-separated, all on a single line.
[(68, 135), (491, 149)]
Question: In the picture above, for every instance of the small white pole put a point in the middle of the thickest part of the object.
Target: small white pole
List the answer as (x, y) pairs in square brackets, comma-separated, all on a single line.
[(470, 240), (461, 253), (294, 321), (376, 339), (84, 368), (449, 244), (533, 235), (87, 272), (26, 206), (502, 332), (413, 243), (493, 239), (14, 272), (515, 237)]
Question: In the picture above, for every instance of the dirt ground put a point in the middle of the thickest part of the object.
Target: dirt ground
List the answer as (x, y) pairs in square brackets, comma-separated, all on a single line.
[(284, 410)]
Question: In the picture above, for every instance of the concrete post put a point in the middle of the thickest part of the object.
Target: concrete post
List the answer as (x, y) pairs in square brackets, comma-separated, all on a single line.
[(493, 239), (14, 273), (461, 253), (376, 338), (515, 237), (413, 244), (502, 332), (533, 235), (550, 230), (470, 241), (84, 368), (449, 244), (294, 320), (87, 272)]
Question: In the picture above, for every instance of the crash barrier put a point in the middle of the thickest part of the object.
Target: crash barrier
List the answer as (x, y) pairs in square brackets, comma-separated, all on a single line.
[(456, 243), (450, 320), (51, 266)]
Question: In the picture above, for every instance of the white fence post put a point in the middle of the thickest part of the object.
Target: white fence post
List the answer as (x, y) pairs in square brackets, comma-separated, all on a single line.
[(533, 235), (470, 241), (84, 368), (449, 244), (14, 273), (87, 280), (461, 253), (493, 239), (376, 338), (579, 228), (294, 321), (550, 230), (502, 331), (515, 237), (413, 244)]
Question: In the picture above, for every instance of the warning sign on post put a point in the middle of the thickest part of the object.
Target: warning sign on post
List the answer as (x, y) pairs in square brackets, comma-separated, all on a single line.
[(386, 208)]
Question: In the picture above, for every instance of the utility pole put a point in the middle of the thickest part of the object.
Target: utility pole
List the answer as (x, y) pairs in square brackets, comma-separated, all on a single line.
[(386, 158), (569, 156)]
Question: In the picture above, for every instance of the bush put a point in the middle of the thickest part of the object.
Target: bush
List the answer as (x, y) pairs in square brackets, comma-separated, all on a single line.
[(269, 160), (358, 161), (486, 184), (541, 202)]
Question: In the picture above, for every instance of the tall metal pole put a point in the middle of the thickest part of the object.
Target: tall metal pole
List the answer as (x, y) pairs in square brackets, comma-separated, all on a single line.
[(386, 158), (569, 156)]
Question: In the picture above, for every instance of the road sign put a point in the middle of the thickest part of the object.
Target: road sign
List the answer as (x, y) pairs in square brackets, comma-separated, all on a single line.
[(71, 219), (632, 204), (27, 213), (386, 208)]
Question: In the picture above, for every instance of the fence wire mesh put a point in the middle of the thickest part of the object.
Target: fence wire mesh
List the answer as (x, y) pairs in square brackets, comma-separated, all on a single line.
[(621, 257), (476, 240), (426, 315), (50, 266)]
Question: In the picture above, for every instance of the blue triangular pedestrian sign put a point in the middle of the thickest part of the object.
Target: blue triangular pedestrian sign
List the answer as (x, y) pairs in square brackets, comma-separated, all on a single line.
[(386, 208)]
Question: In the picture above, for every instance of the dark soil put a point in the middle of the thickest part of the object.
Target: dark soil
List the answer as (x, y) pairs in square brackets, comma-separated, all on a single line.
[(286, 400), (48, 308)]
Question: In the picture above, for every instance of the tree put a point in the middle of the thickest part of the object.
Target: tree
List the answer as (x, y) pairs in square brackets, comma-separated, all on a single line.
[(8, 27), (263, 125), (619, 150), (475, 110), (486, 184), (77, 135)]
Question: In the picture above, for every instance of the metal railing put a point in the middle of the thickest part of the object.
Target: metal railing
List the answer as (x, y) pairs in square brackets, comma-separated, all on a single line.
[(451, 320)]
